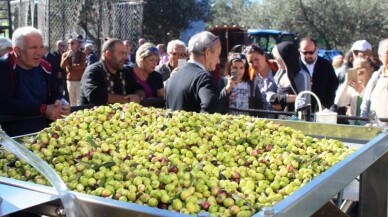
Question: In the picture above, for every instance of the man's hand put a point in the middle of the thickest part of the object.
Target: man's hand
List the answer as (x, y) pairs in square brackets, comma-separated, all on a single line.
[(53, 111)]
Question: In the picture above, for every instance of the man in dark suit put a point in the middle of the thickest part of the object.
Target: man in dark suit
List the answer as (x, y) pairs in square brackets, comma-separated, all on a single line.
[(54, 59), (193, 88), (324, 82)]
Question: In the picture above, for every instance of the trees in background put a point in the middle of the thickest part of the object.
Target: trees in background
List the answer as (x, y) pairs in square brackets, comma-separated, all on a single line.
[(339, 23), (165, 20)]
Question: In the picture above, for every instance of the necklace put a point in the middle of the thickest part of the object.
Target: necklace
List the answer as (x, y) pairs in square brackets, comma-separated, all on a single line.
[(140, 74)]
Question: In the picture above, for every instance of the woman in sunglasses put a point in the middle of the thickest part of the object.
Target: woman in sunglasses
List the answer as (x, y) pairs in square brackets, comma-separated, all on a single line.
[(238, 92), (147, 58)]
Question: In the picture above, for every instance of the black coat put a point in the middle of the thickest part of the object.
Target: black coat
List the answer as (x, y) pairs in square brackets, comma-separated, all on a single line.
[(324, 83), (193, 89)]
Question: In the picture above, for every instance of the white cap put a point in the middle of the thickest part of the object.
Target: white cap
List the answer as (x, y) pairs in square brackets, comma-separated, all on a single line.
[(361, 45), (5, 43), (89, 45)]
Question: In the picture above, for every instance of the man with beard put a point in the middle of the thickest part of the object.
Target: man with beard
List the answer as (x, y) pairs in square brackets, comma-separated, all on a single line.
[(324, 81), (107, 81)]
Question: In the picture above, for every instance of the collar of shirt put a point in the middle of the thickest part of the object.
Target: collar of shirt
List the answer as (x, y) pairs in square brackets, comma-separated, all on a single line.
[(310, 67), (197, 63)]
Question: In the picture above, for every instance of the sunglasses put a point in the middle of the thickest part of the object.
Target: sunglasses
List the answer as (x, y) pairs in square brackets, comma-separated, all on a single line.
[(72, 43), (308, 52), (179, 54), (213, 40)]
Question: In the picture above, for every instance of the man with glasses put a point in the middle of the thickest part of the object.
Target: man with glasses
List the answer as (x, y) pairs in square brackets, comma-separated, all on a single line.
[(324, 81), (74, 61), (176, 50), (193, 88)]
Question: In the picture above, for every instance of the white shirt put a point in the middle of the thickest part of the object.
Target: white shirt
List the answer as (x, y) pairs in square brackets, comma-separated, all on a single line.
[(310, 67)]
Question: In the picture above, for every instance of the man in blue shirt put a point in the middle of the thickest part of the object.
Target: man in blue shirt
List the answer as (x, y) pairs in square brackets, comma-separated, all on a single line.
[(28, 90)]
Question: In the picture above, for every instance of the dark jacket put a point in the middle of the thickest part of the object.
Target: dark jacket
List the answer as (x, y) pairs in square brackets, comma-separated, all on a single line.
[(324, 83), (25, 101), (94, 84), (255, 97), (192, 89)]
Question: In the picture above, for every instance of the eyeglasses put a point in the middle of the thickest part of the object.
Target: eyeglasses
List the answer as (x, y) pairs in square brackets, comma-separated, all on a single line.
[(210, 43), (179, 54), (153, 50), (61, 45), (308, 52)]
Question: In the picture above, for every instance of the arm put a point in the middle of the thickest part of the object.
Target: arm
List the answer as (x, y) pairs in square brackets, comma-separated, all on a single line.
[(365, 105), (343, 97), (224, 94), (302, 82), (65, 60), (208, 94)]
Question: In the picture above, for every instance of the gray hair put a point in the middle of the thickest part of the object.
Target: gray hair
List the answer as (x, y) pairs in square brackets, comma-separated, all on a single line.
[(200, 41), (145, 50), (173, 43), (381, 45), (19, 34)]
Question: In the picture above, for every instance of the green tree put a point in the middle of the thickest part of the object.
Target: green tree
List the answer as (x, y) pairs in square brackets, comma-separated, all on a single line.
[(164, 20), (339, 23)]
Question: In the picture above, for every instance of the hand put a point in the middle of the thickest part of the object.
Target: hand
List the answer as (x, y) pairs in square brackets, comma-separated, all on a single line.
[(53, 111), (65, 110), (71, 53), (356, 85), (160, 92), (231, 83), (277, 107), (133, 98)]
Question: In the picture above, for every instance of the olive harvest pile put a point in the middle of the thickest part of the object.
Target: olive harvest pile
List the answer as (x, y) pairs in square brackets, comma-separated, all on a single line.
[(183, 161)]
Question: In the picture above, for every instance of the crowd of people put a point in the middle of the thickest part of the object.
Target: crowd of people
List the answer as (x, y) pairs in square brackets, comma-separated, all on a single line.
[(36, 82)]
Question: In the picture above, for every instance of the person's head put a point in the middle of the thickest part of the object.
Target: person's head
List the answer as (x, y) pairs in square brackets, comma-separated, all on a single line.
[(237, 62), (89, 48), (128, 45), (256, 58), (364, 68), (161, 48), (383, 52), (205, 48), (28, 46), (147, 57), (61, 46), (287, 57), (362, 48), (73, 44), (176, 49), (141, 41), (308, 50), (114, 54), (80, 38), (5, 46), (338, 61)]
